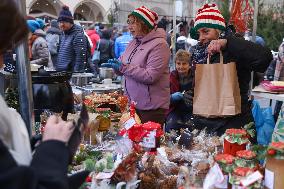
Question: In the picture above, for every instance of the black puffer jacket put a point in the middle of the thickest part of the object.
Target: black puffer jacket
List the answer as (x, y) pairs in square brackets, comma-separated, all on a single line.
[(248, 57), (48, 169), (106, 49)]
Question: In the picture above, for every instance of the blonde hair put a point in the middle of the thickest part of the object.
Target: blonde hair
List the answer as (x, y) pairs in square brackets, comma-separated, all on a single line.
[(183, 56)]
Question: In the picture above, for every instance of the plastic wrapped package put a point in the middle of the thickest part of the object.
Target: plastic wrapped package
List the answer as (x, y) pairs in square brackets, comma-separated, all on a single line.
[(213, 144), (126, 170), (123, 146), (169, 182)]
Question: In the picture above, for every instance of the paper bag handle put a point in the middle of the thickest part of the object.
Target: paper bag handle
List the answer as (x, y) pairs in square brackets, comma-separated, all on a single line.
[(221, 58)]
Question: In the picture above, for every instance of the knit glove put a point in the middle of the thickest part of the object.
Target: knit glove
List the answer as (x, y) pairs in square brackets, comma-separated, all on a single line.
[(113, 63), (188, 98), (177, 96)]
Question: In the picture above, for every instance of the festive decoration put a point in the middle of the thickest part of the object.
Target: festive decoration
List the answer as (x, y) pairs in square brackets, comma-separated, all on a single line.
[(126, 170), (226, 162), (122, 102), (132, 109), (240, 173), (276, 150), (235, 140), (246, 158), (240, 16)]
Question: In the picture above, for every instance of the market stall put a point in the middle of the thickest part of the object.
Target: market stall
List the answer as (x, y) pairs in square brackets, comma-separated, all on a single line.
[(121, 152)]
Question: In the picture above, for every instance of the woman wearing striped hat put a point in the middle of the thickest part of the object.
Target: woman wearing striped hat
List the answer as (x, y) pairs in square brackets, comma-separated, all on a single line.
[(144, 65), (209, 29)]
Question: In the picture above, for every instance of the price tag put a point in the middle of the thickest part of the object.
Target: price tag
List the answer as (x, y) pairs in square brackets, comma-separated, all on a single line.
[(150, 140), (252, 178), (129, 123), (217, 170), (269, 179), (224, 183)]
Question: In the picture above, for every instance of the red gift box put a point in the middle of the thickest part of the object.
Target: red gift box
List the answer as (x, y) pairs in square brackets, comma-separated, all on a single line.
[(235, 140), (232, 148)]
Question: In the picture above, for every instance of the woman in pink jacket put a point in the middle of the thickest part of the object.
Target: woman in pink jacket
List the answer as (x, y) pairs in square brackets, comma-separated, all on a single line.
[(144, 65)]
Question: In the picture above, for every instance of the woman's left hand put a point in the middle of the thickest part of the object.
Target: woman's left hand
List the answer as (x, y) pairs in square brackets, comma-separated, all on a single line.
[(216, 46), (113, 63)]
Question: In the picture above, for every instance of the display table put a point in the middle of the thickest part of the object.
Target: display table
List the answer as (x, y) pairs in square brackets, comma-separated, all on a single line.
[(271, 96), (258, 91), (100, 88)]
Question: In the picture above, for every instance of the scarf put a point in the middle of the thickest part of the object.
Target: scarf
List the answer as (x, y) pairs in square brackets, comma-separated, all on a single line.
[(31, 42), (14, 135), (199, 53)]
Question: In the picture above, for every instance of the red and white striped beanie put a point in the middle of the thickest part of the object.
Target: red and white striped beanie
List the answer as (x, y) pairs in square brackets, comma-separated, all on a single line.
[(209, 16), (148, 16)]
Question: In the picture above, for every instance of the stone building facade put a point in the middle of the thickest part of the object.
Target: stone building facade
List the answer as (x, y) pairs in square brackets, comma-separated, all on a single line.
[(100, 10)]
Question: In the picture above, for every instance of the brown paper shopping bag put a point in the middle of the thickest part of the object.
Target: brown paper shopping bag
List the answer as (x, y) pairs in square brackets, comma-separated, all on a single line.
[(216, 91)]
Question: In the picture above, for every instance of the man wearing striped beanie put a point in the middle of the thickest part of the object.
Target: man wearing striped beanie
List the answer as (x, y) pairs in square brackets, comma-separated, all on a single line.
[(208, 16)]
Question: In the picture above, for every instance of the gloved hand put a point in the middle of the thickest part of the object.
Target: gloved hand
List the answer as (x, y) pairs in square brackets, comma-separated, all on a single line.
[(177, 96), (113, 63), (188, 98)]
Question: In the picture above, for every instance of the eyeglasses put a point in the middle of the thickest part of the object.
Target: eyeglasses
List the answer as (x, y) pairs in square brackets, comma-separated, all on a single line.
[(130, 22)]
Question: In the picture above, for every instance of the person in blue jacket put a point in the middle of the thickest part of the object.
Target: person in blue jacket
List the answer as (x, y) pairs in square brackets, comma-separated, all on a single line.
[(73, 44), (122, 42)]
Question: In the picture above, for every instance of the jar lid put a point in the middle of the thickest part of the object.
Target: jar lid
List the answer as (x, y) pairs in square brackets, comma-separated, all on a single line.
[(236, 132), (243, 171), (246, 154), (224, 158)]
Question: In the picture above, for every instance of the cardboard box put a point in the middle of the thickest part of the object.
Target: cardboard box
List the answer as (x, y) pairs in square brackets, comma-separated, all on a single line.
[(274, 173)]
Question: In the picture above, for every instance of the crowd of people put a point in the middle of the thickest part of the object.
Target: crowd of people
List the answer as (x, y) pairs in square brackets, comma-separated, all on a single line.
[(141, 54)]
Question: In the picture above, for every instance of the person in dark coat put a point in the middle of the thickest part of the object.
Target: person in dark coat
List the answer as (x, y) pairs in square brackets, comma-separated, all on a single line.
[(47, 167), (247, 55), (52, 37), (163, 23), (106, 47), (181, 86), (73, 45)]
